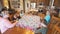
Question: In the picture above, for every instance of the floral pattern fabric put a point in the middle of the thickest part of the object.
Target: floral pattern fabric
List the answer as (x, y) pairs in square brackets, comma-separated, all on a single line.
[(30, 22)]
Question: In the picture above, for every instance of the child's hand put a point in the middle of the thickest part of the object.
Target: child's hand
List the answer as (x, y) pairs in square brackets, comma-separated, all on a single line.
[(38, 28), (43, 25)]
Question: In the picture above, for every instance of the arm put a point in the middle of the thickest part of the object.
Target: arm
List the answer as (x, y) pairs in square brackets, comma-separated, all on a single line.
[(43, 25), (9, 25)]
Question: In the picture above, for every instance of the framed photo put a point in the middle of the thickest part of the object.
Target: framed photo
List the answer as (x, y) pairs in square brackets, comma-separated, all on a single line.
[(15, 3), (33, 5)]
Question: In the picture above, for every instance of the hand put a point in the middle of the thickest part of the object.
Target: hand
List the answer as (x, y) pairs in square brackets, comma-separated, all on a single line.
[(16, 21), (43, 25), (38, 28)]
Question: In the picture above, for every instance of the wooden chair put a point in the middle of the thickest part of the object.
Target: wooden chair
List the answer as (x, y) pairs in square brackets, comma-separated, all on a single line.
[(41, 15), (56, 29), (51, 26)]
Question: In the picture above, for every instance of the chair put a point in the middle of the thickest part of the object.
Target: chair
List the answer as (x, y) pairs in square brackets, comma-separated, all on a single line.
[(56, 29), (41, 15), (52, 27)]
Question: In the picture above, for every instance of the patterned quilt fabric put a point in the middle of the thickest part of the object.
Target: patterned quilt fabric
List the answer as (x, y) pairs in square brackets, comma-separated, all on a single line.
[(30, 22)]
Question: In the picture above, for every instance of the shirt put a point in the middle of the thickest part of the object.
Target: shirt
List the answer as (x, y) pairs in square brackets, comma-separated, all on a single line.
[(47, 18), (5, 25)]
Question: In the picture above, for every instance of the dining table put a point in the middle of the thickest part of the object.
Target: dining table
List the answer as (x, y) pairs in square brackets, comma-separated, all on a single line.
[(18, 30)]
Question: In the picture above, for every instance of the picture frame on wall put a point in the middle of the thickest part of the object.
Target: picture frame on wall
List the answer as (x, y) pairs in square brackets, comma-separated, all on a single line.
[(15, 4), (33, 5)]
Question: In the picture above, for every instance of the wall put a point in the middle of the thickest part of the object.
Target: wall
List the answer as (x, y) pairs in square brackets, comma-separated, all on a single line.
[(57, 3), (27, 5), (21, 4), (46, 2), (5, 3), (0, 6)]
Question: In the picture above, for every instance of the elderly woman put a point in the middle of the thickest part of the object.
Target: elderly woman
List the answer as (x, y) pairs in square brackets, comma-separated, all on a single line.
[(30, 22)]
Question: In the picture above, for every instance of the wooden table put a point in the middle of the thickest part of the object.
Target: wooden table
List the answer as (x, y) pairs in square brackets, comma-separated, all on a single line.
[(18, 30)]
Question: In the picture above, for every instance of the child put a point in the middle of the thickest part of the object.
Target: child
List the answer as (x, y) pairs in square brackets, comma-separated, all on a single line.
[(47, 18)]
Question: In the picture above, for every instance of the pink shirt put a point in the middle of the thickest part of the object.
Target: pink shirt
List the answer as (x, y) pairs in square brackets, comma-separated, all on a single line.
[(5, 25)]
